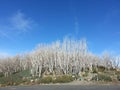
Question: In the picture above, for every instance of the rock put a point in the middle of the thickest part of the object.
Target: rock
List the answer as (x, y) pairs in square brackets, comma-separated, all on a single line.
[(31, 80), (36, 80), (73, 76)]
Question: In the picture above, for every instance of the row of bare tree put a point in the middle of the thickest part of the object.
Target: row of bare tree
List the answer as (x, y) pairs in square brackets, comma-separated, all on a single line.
[(67, 57)]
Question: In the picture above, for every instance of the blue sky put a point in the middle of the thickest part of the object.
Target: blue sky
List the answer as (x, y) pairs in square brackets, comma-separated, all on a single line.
[(26, 23)]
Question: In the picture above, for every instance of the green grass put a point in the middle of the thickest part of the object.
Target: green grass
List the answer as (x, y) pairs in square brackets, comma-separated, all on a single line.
[(23, 77), (25, 73), (1, 74), (15, 78), (58, 79)]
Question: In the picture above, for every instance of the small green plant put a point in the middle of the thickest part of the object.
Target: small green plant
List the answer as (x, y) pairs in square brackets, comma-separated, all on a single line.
[(86, 74), (46, 80), (94, 70), (101, 77)]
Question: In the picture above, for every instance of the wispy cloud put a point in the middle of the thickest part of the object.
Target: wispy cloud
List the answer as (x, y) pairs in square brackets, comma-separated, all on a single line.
[(5, 31), (17, 23)]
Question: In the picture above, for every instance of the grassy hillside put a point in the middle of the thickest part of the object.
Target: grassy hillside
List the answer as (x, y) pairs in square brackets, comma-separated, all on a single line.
[(24, 77)]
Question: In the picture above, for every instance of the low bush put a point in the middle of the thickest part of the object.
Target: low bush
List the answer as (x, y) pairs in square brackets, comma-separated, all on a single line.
[(101, 77), (94, 69), (85, 74), (117, 72), (118, 77), (14, 79), (63, 79), (101, 68), (46, 80), (113, 69), (1, 74)]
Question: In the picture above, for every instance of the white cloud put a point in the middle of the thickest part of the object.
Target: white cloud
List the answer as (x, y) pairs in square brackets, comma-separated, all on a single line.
[(17, 23), (20, 22)]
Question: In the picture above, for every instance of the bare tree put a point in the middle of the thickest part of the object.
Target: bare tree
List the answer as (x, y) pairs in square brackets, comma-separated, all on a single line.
[(67, 57)]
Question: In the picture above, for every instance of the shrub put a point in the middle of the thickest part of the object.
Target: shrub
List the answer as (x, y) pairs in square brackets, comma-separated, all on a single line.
[(85, 74), (1, 74), (63, 79), (118, 77), (46, 80), (113, 69), (94, 69), (101, 68), (3, 80), (15, 78), (117, 72), (101, 77)]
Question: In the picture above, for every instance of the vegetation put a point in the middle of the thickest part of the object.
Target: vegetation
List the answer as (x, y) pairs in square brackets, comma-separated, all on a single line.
[(63, 79), (61, 60), (101, 68), (15, 78), (1, 74), (57, 79), (46, 80), (101, 77), (94, 70), (118, 77)]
